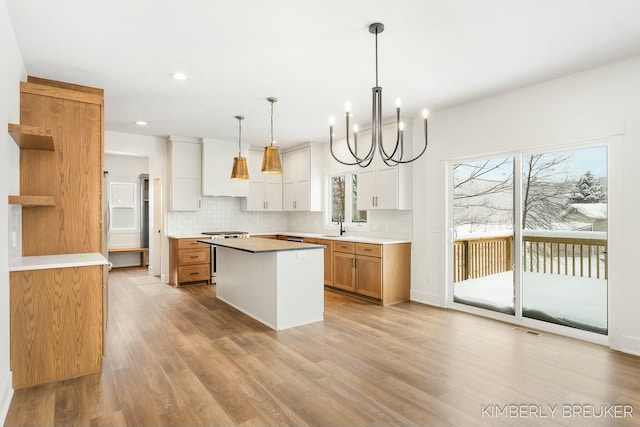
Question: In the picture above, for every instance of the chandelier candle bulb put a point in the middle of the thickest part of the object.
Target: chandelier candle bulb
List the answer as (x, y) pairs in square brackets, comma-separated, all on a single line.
[(425, 114), (347, 107), (398, 103)]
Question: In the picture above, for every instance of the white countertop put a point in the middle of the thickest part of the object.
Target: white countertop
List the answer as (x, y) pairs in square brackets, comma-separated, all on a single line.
[(44, 262), (188, 236), (346, 237)]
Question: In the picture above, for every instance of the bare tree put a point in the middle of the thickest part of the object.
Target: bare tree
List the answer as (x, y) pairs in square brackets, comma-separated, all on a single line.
[(545, 184), (483, 191)]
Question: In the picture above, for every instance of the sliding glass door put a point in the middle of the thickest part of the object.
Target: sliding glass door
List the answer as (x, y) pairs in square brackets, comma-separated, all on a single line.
[(560, 234), (483, 195), (564, 238)]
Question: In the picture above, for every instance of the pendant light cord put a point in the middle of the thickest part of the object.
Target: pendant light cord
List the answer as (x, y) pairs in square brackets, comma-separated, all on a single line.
[(271, 122), (239, 137)]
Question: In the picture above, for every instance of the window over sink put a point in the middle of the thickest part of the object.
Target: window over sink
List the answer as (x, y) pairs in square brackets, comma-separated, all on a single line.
[(343, 198)]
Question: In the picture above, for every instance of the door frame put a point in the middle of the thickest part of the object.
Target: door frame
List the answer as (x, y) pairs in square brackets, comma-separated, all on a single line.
[(518, 319)]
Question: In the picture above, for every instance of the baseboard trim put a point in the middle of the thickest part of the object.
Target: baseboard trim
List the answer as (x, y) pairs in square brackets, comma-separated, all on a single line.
[(6, 394), (626, 344), (427, 298)]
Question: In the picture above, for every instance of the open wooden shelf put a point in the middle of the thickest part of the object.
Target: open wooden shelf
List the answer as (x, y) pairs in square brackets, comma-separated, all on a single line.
[(32, 201), (32, 137)]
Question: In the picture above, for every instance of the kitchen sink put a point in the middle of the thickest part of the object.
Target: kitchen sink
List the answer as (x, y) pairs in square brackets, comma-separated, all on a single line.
[(333, 236)]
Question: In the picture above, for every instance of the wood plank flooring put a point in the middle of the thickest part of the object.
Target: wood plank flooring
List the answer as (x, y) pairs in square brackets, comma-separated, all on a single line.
[(180, 357)]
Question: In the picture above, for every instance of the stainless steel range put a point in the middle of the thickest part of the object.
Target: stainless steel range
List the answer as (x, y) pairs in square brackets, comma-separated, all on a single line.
[(221, 235)]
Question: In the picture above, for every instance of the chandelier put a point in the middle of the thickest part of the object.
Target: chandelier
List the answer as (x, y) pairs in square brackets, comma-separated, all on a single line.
[(396, 156)]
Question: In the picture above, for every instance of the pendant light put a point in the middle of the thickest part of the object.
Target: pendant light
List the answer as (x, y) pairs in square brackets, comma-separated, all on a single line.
[(240, 170), (271, 162)]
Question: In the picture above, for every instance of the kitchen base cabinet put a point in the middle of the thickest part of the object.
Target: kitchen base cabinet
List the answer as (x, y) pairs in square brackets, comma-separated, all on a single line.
[(57, 324), (378, 272), (369, 276), (328, 257), (189, 261)]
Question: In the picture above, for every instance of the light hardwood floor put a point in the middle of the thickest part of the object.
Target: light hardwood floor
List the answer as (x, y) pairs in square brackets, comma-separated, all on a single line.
[(179, 357)]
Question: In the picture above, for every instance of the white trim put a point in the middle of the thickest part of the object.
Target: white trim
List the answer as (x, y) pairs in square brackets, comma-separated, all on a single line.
[(518, 318), (6, 394), (426, 298)]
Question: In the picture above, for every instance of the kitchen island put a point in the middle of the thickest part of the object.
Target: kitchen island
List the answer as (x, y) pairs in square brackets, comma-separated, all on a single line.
[(278, 283)]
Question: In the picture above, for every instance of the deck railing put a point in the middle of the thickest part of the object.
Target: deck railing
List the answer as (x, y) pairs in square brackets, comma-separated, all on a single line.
[(582, 254), (474, 258)]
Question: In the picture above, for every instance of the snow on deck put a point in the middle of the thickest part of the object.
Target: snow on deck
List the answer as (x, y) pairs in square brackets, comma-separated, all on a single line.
[(577, 300)]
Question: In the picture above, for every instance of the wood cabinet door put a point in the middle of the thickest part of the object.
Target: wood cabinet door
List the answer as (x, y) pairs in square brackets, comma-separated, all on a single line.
[(369, 276), (343, 271), (328, 261), (56, 324)]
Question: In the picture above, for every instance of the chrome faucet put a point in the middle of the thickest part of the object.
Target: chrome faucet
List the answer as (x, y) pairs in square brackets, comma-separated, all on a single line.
[(342, 230)]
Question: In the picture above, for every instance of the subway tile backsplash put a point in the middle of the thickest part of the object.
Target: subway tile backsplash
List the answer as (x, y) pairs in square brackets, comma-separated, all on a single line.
[(224, 214)]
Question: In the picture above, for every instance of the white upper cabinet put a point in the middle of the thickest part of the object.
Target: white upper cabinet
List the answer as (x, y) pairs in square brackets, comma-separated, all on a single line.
[(217, 162), (381, 186), (185, 192), (265, 190), (302, 179)]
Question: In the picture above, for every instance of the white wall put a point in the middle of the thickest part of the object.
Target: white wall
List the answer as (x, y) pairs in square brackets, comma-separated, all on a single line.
[(594, 104), (12, 72)]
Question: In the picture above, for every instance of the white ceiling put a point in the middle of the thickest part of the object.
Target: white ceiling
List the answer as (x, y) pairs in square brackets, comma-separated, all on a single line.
[(313, 55)]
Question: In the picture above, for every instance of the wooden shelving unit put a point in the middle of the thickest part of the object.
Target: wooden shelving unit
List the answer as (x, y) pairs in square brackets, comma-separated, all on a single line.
[(32, 137), (32, 201)]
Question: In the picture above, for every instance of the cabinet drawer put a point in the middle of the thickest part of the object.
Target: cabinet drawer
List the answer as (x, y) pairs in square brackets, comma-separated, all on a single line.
[(191, 243), (348, 247), (369, 249), (193, 273), (194, 256)]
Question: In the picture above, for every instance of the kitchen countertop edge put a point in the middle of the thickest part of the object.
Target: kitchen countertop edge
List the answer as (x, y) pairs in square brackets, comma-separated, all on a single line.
[(357, 239), (246, 245), (43, 262)]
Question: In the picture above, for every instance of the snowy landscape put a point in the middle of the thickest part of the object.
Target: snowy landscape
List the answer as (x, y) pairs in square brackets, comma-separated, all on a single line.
[(566, 300), (563, 223)]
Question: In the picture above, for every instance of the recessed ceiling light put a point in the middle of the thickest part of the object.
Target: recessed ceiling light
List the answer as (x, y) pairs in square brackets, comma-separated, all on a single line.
[(141, 123), (178, 76)]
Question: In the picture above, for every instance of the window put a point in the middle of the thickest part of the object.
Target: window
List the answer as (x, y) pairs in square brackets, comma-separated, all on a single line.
[(344, 199), (123, 206)]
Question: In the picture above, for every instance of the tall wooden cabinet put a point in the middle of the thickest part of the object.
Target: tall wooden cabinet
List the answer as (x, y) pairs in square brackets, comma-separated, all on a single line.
[(72, 174), (58, 315)]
